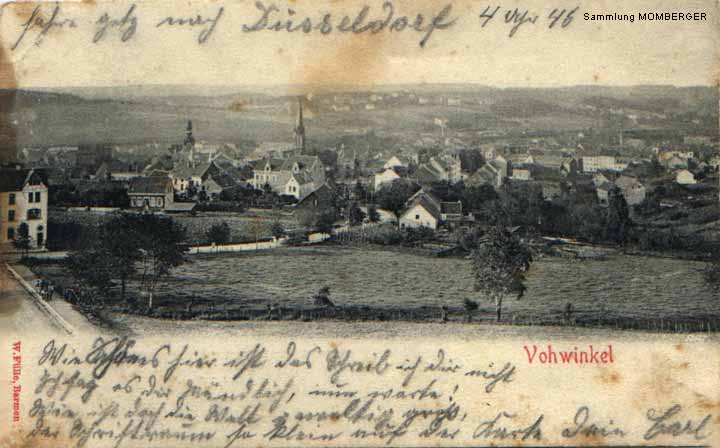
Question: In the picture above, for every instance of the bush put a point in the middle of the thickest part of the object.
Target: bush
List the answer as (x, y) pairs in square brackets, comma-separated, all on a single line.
[(218, 233), (418, 235)]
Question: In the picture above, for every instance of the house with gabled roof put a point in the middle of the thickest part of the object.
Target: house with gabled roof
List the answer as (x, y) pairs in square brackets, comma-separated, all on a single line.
[(422, 210), (151, 193), (23, 200), (192, 175), (296, 176)]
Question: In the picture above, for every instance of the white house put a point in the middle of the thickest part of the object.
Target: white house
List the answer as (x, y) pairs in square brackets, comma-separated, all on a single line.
[(23, 200), (300, 185), (685, 177), (386, 176), (593, 164), (423, 210)]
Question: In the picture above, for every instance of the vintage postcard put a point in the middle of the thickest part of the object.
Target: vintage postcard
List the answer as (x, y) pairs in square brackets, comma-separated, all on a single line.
[(359, 223)]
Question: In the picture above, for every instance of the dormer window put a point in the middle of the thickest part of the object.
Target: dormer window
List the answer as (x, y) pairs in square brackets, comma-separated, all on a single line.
[(296, 168), (267, 167)]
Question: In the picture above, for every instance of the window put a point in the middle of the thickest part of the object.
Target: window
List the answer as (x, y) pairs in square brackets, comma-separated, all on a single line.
[(11, 233), (11, 215), (37, 196), (34, 213), (31, 197), (417, 216), (11, 199)]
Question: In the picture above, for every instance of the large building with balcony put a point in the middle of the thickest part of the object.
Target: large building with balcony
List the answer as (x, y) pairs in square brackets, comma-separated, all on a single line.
[(23, 201)]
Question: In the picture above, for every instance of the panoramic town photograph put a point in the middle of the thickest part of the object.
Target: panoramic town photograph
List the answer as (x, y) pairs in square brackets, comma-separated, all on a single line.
[(135, 208)]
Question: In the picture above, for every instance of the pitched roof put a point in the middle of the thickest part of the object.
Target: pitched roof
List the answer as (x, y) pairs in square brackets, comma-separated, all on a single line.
[(302, 178), (151, 185), (185, 170), (14, 180), (324, 192), (549, 161), (426, 201), (427, 174)]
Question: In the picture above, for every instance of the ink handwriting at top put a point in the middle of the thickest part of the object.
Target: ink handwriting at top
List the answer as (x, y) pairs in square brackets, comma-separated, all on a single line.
[(37, 21), (272, 19), (516, 18), (127, 25), (208, 24)]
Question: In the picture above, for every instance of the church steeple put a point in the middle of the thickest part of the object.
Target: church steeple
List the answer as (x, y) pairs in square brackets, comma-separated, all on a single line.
[(189, 139), (299, 130)]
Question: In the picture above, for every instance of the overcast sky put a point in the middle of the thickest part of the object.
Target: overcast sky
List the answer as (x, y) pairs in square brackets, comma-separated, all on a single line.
[(588, 53)]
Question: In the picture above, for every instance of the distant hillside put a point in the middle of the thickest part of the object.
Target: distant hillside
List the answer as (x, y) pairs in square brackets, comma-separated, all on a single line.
[(159, 113)]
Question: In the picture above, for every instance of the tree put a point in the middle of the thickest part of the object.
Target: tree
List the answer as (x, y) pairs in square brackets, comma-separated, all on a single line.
[(92, 269), (277, 229), (499, 265), (22, 240), (218, 233), (326, 221), (393, 197), (121, 245), (116, 249), (618, 218), (373, 214), (470, 307), (355, 214), (161, 242), (256, 227)]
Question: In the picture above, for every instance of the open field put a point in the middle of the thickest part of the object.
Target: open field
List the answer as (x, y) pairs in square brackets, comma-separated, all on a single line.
[(390, 283)]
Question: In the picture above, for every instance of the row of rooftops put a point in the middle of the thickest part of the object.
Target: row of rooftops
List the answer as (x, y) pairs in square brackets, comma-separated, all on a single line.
[(14, 179)]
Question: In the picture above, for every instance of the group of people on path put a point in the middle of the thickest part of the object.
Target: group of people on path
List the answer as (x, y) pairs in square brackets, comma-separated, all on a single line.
[(45, 288)]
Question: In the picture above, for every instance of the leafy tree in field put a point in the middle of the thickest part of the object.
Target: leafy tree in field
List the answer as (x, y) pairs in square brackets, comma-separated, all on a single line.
[(394, 196), (92, 269), (373, 214), (128, 241), (161, 241), (355, 214), (618, 218), (588, 223), (218, 233), (470, 307), (22, 240), (277, 229), (499, 265), (256, 228), (121, 245)]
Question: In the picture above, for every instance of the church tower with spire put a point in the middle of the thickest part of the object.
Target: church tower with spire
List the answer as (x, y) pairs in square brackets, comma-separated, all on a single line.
[(189, 139), (189, 143), (299, 130)]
